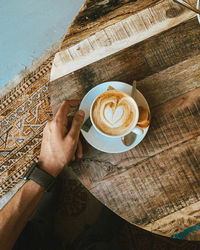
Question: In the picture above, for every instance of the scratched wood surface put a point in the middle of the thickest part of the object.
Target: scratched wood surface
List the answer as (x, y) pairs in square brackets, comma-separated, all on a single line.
[(145, 23), (157, 184), (101, 13)]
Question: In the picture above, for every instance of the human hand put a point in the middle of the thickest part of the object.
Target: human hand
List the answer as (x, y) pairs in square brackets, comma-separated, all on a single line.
[(59, 145)]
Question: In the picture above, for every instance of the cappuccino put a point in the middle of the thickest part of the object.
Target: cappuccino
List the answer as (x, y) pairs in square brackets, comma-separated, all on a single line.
[(114, 113)]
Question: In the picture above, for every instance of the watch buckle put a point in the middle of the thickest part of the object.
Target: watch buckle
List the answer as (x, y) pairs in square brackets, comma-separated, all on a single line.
[(29, 172)]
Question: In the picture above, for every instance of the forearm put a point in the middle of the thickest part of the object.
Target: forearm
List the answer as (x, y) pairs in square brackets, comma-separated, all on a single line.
[(14, 216), (59, 146)]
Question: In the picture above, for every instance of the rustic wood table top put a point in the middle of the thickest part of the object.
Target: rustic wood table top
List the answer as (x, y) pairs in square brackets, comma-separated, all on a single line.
[(156, 185)]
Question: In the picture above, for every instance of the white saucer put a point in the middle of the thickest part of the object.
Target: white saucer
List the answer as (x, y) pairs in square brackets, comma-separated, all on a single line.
[(99, 141)]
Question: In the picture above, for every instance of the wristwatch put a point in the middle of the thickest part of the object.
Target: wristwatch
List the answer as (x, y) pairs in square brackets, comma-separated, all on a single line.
[(41, 177)]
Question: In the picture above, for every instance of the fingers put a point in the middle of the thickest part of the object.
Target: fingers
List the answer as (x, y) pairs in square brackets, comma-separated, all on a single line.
[(79, 149), (77, 124), (73, 158), (74, 103), (62, 111), (65, 108), (61, 118), (69, 122)]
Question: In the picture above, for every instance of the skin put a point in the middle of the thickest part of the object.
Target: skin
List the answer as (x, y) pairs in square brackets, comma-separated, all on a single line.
[(59, 147)]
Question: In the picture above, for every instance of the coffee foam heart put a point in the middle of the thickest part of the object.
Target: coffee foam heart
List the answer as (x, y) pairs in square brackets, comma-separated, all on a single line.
[(113, 112)]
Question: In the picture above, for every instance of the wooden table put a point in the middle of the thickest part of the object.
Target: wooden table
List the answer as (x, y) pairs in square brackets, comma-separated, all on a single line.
[(156, 185)]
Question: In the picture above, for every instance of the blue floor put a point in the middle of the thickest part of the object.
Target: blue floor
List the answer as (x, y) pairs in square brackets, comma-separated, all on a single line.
[(28, 28)]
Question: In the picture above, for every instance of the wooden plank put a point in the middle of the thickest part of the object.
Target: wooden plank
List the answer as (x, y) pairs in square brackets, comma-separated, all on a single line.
[(160, 186), (153, 181), (168, 226), (169, 127), (139, 61), (95, 14), (123, 34), (147, 57), (174, 81), (157, 183)]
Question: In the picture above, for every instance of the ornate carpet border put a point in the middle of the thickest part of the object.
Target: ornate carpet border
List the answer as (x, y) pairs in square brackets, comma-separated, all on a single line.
[(24, 111)]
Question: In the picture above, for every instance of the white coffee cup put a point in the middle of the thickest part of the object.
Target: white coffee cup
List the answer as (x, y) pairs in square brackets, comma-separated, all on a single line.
[(135, 129)]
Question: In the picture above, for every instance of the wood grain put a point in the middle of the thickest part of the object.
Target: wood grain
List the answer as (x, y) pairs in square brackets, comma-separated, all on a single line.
[(160, 186), (138, 62), (169, 127), (176, 222), (170, 146), (155, 188), (101, 14), (160, 177), (155, 185), (175, 124), (123, 34)]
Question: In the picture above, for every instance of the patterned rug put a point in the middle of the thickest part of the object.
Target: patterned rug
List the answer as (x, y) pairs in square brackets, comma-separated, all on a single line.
[(24, 111)]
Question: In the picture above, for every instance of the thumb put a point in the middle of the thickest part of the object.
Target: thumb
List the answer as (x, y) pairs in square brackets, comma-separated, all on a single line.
[(77, 124)]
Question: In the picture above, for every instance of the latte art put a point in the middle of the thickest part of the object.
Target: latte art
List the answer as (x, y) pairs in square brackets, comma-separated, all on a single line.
[(113, 113)]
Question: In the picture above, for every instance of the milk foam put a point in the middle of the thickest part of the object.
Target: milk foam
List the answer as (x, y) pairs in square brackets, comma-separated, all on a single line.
[(113, 112), (112, 117)]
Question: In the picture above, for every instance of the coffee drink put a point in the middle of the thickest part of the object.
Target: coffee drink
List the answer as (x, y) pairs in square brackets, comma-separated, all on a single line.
[(114, 113)]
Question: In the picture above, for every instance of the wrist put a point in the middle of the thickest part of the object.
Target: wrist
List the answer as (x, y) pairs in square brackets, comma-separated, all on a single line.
[(49, 168), (40, 176), (34, 187)]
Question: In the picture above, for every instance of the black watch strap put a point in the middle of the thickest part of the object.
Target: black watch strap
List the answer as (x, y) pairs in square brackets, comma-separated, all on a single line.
[(38, 175)]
